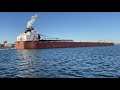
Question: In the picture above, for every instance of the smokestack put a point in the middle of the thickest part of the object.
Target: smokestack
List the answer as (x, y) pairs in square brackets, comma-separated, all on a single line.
[(30, 23), (32, 20)]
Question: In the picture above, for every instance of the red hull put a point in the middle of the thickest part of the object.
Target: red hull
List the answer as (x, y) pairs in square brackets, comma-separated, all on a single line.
[(43, 45)]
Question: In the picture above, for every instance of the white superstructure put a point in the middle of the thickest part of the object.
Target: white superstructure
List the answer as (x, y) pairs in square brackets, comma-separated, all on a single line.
[(30, 34)]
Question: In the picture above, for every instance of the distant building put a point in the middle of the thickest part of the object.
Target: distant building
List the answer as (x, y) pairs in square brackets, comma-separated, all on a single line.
[(6, 44), (0, 45)]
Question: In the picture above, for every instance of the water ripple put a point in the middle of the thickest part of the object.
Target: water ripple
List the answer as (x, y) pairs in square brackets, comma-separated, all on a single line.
[(83, 62)]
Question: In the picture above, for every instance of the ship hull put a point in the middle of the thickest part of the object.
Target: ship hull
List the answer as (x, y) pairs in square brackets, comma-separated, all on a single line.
[(45, 45)]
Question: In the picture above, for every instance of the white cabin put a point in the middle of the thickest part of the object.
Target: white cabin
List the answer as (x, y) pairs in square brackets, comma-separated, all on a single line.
[(29, 36)]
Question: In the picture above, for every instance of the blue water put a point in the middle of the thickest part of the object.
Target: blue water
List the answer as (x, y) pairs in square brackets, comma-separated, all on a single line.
[(82, 62)]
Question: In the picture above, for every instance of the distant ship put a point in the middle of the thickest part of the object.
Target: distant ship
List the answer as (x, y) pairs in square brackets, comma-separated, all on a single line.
[(30, 39)]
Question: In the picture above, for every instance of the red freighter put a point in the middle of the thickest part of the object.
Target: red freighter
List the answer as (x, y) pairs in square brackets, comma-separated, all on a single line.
[(30, 39)]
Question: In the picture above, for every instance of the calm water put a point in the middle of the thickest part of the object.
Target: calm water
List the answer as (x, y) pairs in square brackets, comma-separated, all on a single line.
[(83, 62)]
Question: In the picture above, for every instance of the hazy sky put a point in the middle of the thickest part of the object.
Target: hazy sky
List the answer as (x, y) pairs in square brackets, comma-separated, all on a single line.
[(82, 26)]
